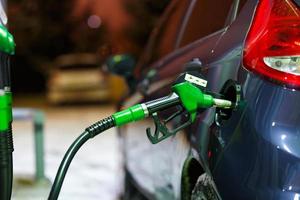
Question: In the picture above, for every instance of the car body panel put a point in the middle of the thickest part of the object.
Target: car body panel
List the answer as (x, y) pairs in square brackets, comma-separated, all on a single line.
[(144, 159), (168, 68), (266, 134), (255, 154)]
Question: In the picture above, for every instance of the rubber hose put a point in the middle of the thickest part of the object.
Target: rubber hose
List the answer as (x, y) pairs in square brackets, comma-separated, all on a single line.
[(89, 133), (6, 165)]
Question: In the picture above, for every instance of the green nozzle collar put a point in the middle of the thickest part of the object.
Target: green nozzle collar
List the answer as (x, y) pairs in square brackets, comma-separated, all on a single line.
[(7, 43), (128, 115)]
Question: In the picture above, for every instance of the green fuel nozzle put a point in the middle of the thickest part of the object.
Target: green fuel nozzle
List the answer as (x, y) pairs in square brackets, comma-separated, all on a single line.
[(188, 97), (185, 94)]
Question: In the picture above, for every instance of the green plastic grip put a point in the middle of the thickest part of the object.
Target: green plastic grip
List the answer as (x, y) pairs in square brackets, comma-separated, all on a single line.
[(192, 98), (5, 111), (128, 115)]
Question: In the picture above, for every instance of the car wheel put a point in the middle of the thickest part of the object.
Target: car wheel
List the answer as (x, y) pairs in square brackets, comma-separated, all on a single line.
[(205, 189), (191, 171)]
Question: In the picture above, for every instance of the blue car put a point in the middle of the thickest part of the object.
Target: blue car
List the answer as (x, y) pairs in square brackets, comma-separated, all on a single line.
[(249, 52)]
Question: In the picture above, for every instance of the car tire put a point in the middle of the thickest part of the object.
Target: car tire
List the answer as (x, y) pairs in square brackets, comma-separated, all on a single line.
[(191, 171), (205, 189)]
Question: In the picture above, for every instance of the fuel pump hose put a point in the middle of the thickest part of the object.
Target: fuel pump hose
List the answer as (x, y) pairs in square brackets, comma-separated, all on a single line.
[(89, 133), (185, 94)]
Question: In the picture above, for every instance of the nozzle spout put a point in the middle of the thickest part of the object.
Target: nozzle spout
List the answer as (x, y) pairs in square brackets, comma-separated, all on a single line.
[(222, 103)]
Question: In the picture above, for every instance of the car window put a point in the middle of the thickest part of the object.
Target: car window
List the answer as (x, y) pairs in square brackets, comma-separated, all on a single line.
[(163, 38), (167, 38), (242, 3), (208, 16), (297, 2)]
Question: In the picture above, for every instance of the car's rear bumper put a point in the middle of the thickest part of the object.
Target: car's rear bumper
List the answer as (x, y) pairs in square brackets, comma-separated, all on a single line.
[(261, 155)]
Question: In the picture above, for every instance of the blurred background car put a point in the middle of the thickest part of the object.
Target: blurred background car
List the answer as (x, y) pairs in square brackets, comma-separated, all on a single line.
[(77, 78)]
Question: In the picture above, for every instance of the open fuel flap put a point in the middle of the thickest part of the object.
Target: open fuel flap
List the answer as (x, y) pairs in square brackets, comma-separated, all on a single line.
[(231, 91)]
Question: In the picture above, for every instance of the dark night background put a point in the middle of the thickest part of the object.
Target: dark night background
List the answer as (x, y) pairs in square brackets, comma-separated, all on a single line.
[(46, 29)]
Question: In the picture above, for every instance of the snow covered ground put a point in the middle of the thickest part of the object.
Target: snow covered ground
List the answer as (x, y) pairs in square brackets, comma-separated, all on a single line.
[(95, 172)]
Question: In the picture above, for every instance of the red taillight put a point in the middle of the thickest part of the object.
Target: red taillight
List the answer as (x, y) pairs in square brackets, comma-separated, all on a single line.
[(272, 47)]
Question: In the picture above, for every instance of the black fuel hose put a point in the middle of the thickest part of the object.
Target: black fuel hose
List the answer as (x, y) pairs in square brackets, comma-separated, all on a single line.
[(89, 133), (6, 164)]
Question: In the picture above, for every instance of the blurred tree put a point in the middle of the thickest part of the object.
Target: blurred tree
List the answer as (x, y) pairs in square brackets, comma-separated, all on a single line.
[(45, 29), (88, 32), (144, 14), (37, 27)]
